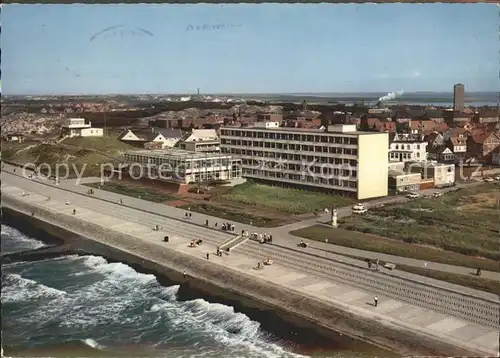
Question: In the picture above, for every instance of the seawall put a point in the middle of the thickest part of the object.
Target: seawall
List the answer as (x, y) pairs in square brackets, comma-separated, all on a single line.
[(259, 300)]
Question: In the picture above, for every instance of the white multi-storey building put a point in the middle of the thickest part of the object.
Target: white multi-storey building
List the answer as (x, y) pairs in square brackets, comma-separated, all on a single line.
[(408, 148), (181, 166), (339, 158)]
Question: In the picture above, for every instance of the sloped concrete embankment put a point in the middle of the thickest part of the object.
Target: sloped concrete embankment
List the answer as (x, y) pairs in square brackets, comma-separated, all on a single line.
[(39, 254), (260, 300)]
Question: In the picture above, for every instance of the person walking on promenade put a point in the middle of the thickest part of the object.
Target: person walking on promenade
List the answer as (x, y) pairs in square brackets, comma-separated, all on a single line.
[(74, 211), (375, 299), (184, 274), (208, 256)]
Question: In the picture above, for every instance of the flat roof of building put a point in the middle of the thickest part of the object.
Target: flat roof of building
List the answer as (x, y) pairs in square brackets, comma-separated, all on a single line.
[(303, 130), (429, 164), (176, 153)]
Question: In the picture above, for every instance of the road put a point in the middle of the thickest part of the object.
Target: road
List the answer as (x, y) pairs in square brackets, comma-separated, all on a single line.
[(194, 228), (316, 276), (281, 235)]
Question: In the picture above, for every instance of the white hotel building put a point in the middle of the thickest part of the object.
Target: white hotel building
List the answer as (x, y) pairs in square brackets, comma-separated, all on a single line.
[(339, 159), (181, 166)]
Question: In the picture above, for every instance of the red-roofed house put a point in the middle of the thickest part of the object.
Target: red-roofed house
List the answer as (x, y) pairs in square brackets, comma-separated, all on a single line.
[(482, 142), (422, 126)]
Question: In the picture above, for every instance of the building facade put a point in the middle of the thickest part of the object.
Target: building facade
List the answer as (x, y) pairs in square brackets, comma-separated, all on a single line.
[(339, 159), (180, 166), (201, 140), (79, 127), (442, 174), (401, 182), (458, 97), (152, 137), (14, 137), (407, 147)]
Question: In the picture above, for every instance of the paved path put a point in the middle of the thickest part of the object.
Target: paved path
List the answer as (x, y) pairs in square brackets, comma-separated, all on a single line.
[(296, 276), (281, 235)]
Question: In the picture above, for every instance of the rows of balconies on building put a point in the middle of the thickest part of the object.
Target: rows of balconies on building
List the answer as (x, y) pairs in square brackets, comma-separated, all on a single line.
[(312, 180), (330, 138)]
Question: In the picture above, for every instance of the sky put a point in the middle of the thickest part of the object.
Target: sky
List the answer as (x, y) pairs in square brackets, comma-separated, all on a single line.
[(248, 48)]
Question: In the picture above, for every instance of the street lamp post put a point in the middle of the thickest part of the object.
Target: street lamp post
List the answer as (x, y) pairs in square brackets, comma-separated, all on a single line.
[(326, 251)]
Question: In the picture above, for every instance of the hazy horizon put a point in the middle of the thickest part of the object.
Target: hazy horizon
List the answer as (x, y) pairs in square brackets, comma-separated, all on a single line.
[(248, 48)]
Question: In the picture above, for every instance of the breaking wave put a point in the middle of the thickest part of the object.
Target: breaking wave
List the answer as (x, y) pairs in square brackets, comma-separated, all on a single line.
[(13, 240), (102, 305)]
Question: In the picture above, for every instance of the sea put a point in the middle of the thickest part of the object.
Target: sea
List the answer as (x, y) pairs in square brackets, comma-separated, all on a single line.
[(85, 306), (438, 99)]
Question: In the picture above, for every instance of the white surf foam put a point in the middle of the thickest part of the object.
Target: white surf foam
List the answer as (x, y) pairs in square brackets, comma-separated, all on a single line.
[(24, 242), (92, 343), (119, 293), (18, 289)]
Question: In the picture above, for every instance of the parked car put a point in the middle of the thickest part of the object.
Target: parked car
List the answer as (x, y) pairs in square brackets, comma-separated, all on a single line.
[(437, 194), (412, 195), (488, 180), (497, 177), (359, 209)]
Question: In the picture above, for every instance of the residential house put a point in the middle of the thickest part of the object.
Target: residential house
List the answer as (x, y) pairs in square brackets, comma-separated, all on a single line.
[(407, 147), (482, 142), (441, 153), (14, 137), (201, 140), (377, 125), (435, 139), (143, 137), (495, 156), (458, 145), (426, 127)]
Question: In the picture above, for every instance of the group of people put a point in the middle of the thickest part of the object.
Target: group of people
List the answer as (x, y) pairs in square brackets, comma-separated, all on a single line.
[(195, 243), (226, 226), (261, 237), (368, 261)]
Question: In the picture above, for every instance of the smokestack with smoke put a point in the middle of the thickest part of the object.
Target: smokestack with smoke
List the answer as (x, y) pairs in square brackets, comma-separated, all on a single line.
[(390, 96)]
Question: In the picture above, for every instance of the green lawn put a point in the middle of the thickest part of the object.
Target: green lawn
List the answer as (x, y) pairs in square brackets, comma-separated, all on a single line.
[(374, 243), (287, 200), (136, 192), (107, 144), (465, 221), (231, 215)]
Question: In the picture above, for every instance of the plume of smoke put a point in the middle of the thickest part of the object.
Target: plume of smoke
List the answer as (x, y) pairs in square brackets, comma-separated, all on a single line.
[(390, 96)]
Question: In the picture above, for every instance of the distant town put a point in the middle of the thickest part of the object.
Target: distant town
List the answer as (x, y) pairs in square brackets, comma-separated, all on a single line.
[(396, 141)]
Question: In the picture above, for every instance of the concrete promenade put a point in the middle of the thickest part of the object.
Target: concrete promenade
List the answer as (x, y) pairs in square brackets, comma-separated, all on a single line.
[(281, 235), (310, 282)]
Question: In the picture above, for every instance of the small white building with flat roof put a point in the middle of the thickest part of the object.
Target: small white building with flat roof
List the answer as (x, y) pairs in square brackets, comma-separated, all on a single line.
[(80, 127)]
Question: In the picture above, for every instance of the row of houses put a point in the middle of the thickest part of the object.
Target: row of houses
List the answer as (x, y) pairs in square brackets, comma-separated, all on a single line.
[(196, 140), (466, 143)]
